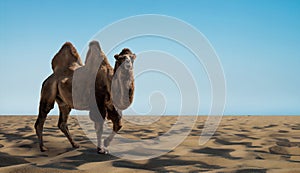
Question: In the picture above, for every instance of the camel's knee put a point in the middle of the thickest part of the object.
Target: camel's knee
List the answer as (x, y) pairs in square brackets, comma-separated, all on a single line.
[(44, 109), (39, 123), (98, 126), (117, 126), (63, 117), (116, 117), (36, 125), (62, 126)]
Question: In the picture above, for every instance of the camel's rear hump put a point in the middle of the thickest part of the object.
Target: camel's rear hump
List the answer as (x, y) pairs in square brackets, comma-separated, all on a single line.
[(66, 59)]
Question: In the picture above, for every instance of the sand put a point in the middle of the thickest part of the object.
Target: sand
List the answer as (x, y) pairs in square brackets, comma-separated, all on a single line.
[(240, 144)]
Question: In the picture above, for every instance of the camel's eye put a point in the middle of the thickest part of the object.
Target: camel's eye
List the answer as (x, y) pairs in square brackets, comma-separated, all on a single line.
[(121, 58)]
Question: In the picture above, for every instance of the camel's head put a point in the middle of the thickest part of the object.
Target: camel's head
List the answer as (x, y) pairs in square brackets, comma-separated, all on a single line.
[(124, 60), (123, 81)]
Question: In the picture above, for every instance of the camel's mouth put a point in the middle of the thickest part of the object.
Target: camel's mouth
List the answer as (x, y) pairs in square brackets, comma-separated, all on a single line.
[(127, 66)]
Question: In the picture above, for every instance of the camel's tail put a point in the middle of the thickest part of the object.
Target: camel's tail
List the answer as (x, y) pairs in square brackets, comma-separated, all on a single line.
[(67, 58)]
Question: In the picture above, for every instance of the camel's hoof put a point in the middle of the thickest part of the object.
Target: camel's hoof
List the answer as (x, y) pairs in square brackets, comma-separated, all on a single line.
[(102, 150), (75, 145), (43, 148)]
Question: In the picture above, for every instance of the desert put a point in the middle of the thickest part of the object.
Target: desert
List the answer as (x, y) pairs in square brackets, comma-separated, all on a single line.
[(240, 144)]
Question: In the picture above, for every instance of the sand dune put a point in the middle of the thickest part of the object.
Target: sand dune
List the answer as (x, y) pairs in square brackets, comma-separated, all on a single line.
[(241, 144)]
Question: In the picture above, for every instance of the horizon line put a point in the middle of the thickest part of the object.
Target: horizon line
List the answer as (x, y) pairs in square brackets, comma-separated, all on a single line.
[(167, 115)]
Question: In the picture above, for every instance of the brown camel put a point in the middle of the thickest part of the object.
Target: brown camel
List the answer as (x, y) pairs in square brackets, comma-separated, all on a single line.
[(73, 86)]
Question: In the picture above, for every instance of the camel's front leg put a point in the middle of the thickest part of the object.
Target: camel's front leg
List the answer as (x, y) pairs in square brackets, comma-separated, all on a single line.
[(99, 132), (98, 124), (115, 117)]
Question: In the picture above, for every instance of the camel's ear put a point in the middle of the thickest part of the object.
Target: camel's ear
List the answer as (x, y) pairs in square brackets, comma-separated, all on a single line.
[(133, 56), (116, 56)]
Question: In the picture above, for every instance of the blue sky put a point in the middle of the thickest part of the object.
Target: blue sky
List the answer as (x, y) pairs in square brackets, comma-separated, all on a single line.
[(257, 41)]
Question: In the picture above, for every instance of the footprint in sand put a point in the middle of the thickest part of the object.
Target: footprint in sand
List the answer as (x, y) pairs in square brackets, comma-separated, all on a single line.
[(294, 151), (288, 144), (283, 131), (297, 127)]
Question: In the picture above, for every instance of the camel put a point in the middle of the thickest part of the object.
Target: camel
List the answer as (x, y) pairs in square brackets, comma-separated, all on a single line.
[(112, 88)]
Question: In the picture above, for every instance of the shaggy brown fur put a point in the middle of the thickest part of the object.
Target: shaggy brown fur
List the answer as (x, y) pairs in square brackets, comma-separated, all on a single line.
[(113, 89), (66, 58)]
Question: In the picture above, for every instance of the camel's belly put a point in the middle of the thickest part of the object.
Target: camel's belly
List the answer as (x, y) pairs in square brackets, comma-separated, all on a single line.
[(77, 100)]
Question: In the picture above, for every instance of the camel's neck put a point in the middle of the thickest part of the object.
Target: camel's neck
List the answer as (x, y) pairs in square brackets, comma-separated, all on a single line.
[(122, 88)]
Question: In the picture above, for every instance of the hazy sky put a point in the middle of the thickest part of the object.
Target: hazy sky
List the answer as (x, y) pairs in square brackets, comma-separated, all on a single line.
[(257, 41)]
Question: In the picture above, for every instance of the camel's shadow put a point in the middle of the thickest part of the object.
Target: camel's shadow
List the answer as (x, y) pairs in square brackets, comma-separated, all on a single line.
[(68, 158), (60, 155), (87, 155)]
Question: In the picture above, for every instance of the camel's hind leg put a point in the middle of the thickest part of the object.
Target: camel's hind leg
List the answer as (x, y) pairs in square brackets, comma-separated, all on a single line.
[(48, 94), (64, 111)]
